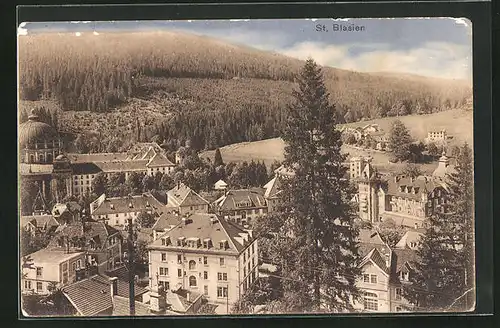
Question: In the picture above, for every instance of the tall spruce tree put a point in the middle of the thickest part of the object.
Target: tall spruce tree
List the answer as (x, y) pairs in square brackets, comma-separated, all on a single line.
[(400, 141), (218, 158), (320, 262), (444, 276)]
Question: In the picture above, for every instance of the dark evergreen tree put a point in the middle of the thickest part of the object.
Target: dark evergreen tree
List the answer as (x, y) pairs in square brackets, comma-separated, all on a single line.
[(316, 204), (133, 182), (218, 158), (99, 184), (444, 278), (400, 141)]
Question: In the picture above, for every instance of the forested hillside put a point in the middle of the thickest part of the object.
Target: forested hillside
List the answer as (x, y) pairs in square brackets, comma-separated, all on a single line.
[(176, 87)]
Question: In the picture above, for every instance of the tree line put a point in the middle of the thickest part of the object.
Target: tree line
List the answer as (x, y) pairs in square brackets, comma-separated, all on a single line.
[(202, 86)]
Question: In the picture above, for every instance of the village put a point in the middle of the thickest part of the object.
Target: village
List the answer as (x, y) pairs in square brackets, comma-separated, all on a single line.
[(180, 251)]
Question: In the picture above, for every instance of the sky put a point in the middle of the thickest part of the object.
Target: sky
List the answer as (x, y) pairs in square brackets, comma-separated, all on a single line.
[(435, 47)]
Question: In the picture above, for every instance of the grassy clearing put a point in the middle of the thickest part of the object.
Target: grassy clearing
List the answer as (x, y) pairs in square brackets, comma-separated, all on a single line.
[(457, 123)]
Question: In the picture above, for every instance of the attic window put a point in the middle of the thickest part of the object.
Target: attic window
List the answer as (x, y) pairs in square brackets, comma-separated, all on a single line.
[(404, 275), (112, 206), (165, 241), (130, 205), (223, 244), (147, 204), (415, 190), (207, 243), (402, 188), (180, 241)]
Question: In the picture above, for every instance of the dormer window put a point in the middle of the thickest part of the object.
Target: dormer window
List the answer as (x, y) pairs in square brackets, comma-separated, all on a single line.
[(130, 205), (165, 241), (223, 244), (112, 206), (413, 244), (207, 243), (402, 188), (404, 275)]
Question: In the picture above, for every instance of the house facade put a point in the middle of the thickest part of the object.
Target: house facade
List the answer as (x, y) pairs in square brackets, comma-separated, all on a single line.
[(384, 272), (101, 243), (406, 200), (242, 206), (48, 268), (115, 211), (205, 254)]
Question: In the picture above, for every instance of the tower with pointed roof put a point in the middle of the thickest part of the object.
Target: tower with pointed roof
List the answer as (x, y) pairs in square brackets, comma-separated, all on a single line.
[(368, 183)]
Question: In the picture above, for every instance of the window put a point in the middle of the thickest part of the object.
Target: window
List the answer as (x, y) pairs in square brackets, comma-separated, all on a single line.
[(192, 281), (219, 275), (179, 259), (38, 272), (205, 290), (398, 294), (163, 257), (370, 301), (78, 264), (163, 271), (224, 276), (221, 260), (366, 278), (39, 286), (373, 279), (27, 284), (404, 275), (205, 275), (244, 257), (221, 291), (73, 268), (205, 260), (192, 265), (179, 272)]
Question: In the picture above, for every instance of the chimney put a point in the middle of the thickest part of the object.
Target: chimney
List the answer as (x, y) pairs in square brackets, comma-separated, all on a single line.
[(188, 294), (113, 285), (178, 184)]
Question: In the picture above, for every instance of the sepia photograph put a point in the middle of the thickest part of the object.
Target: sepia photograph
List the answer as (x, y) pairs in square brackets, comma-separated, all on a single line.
[(245, 167)]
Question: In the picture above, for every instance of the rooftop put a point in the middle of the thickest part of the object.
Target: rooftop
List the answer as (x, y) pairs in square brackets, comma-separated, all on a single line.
[(166, 220), (138, 203), (241, 198), (409, 237), (182, 195), (52, 256), (97, 157), (33, 169), (413, 188), (206, 226), (39, 221), (98, 232), (92, 296)]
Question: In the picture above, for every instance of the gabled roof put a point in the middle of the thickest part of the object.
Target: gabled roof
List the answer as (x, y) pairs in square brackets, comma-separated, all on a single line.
[(272, 187), (410, 236), (159, 160), (72, 207), (254, 197), (220, 183), (378, 260), (122, 273), (39, 221), (284, 171), (368, 240), (182, 195), (144, 202), (92, 296), (200, 225), (121, 307)]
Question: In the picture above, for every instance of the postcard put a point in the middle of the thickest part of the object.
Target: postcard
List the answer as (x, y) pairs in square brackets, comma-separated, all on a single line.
[(246, 167)]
